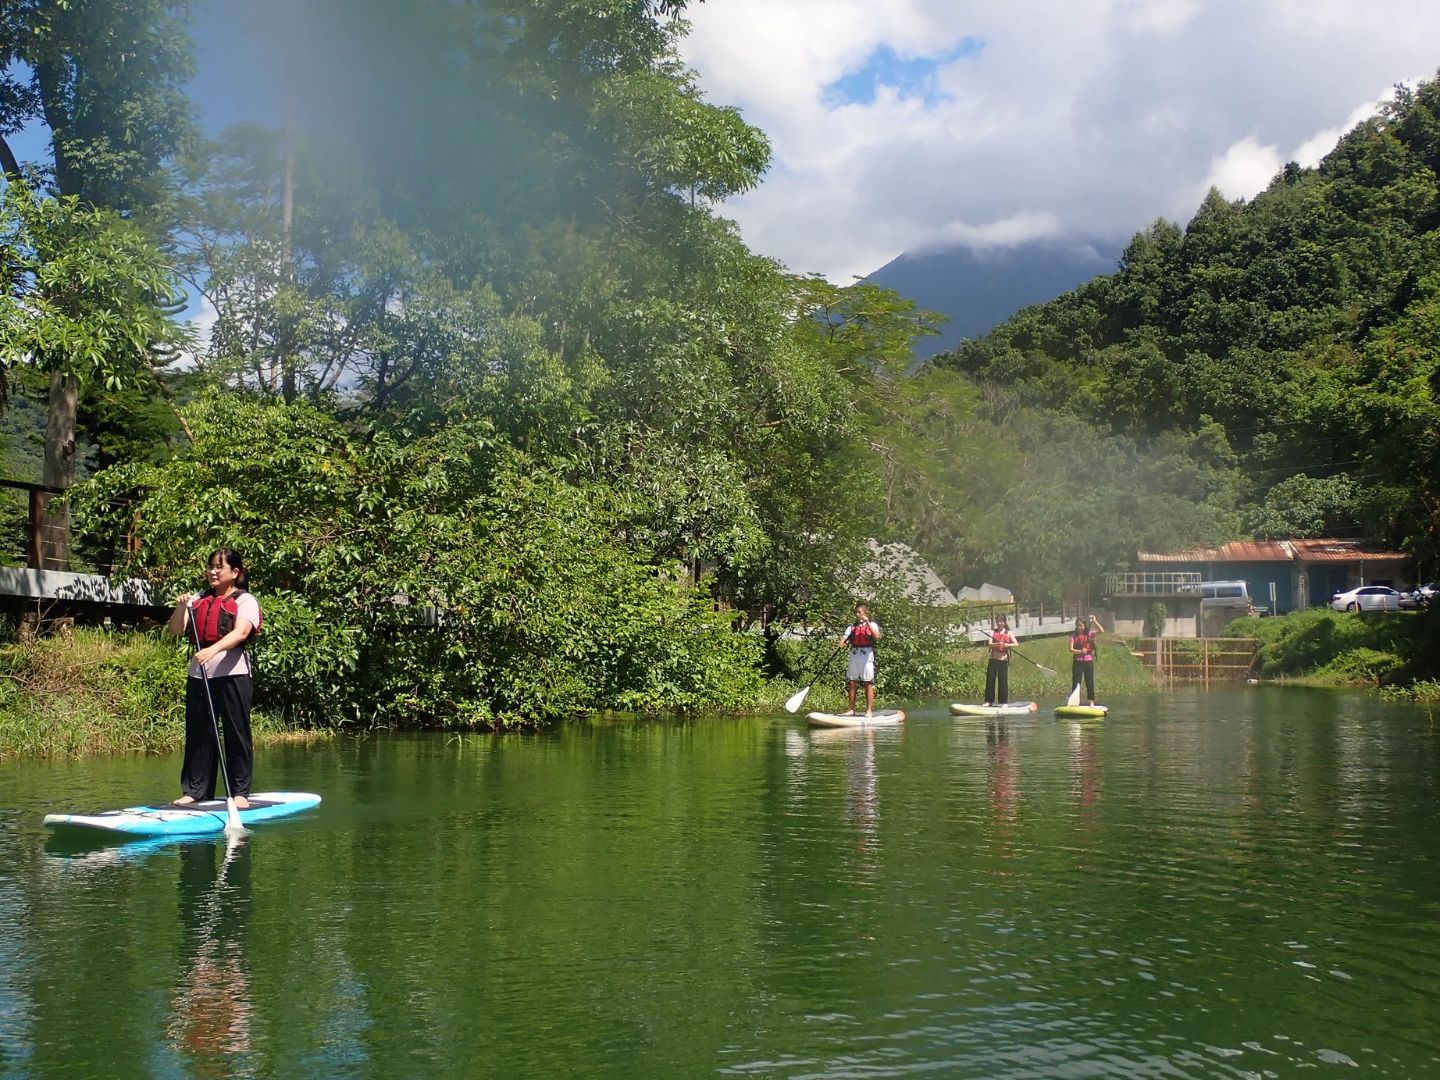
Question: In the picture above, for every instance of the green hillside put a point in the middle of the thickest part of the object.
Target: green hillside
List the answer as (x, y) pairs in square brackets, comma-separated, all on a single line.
[(1292, 342)]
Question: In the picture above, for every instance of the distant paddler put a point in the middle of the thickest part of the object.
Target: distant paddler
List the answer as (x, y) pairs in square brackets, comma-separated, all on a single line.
[(1082, 654), (861, 636), (997, 671)]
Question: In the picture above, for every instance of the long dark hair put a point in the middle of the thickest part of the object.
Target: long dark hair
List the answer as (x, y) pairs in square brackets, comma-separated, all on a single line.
[(235, 561)]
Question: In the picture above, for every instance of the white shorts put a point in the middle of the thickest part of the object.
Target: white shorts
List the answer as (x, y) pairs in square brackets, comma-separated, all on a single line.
[(862, 666)]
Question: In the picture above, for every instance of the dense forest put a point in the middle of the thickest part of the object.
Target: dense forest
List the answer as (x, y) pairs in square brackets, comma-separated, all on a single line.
[(510, 423)]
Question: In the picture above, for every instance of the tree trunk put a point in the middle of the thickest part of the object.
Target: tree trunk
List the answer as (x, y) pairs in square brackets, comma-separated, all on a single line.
[(8, 165), (287, 269), (59, 466)]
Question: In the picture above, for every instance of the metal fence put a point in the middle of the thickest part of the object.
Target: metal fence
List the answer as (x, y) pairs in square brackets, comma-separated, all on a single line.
[(1202, 660)]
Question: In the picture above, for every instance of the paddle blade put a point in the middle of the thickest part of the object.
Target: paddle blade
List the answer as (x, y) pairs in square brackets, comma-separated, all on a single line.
[(1048, 672), (796, 700), (233, 826), (1074, 698)]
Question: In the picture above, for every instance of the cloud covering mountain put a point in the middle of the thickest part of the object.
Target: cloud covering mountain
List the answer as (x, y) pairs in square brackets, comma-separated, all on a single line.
[(902, 124)]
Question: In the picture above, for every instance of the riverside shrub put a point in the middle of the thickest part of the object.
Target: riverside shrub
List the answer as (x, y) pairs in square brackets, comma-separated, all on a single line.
[(433, 578)]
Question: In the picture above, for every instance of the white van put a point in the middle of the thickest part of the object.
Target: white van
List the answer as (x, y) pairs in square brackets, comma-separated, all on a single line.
[(1225, 596)]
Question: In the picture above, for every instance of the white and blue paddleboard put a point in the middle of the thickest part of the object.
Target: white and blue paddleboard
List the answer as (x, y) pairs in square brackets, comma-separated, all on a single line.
[(195, 819)]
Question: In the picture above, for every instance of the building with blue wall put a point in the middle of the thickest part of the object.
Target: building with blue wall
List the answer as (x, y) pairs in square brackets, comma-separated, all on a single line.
[(1298, 574)]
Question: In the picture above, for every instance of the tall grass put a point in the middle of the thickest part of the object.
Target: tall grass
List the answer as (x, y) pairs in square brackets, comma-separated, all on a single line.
[(1340, 647), (95, 692)]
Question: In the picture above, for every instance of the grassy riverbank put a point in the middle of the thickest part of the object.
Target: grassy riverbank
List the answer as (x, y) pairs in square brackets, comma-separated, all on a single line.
[(97, 692), (1333, 648)]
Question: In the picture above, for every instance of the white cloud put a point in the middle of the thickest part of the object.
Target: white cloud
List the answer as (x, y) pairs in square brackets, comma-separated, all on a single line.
[(1244, 169), (1088, 119), (1322, 142), (201, 320), (1007, 232)]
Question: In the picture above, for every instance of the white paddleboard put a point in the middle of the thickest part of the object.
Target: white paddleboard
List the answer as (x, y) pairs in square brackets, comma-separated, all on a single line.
[(887, 718)]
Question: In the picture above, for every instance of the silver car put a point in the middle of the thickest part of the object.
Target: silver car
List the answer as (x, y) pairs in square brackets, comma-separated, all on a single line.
[(1367, 598)]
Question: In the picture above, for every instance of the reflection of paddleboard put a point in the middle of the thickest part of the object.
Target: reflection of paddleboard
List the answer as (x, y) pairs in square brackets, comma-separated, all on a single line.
[(1014, 708), (888, 718), (1082, 712), (196, 819)]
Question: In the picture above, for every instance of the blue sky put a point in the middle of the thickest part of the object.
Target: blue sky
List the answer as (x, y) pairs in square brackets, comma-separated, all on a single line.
[(906, 76)]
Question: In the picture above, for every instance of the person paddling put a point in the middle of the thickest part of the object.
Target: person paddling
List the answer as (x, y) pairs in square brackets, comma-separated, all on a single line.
[(224, 617), (861, 636), (1082, 654), (997, 672)]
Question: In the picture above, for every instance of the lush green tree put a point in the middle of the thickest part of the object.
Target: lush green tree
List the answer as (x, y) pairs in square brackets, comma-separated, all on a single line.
[(105, 79), (83, 301), (443, 579)]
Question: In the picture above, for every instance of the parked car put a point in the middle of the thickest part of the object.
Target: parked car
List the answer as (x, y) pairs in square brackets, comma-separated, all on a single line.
[(1421, 596), (1367, 598), (1225, 596)]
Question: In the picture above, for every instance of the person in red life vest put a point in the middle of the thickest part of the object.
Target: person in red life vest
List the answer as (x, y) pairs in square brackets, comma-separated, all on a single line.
[(997, 672), (1082, 654), (225, 617), (861, 636)]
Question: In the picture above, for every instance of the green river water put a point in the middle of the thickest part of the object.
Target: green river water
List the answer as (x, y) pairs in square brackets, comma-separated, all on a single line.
[(1244, 883)]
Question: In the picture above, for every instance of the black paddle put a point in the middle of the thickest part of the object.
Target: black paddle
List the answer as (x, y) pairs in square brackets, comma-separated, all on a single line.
[(233, 827), (798, 698), (1046, 671)]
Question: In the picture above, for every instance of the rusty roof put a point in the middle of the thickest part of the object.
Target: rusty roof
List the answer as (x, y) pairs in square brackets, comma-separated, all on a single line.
[(1342, 551), (1235, 551), (1310, 551)]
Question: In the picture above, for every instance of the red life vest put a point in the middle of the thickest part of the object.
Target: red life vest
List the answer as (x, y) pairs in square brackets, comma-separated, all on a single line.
[(862, 636), (215, 617), (1085, 642)]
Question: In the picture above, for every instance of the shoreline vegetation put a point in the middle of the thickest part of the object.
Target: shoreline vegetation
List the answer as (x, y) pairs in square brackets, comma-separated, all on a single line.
[(94, 692)]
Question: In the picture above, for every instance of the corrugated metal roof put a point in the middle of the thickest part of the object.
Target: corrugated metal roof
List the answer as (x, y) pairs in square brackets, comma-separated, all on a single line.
[(1234, 552), (1310, 551), (1342, 551)]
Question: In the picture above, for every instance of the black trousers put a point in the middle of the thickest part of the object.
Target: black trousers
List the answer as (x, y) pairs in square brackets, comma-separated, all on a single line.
[(200, 770), (1083, 671), (997, 676)]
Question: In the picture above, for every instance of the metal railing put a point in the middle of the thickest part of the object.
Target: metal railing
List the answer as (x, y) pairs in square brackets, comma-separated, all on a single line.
[(1153, 583), (31, 534)]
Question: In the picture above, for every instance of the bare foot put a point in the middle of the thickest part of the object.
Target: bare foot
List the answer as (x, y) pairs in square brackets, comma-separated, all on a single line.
[(184, 800), (242, 803), (848, 712)]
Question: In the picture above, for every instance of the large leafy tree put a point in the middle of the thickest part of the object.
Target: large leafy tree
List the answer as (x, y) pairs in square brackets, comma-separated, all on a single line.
[(82, 295), (105, 78)]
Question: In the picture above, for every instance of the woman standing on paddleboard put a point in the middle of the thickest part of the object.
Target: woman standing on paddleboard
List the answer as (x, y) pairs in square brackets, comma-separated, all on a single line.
[(997, 672), (1082, 654), (861, 636), (222, 618)]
